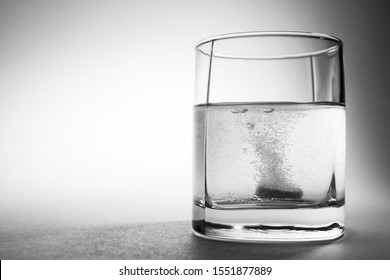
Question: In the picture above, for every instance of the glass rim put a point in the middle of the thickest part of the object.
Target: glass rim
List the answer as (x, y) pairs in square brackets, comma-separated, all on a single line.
[(338, 43)]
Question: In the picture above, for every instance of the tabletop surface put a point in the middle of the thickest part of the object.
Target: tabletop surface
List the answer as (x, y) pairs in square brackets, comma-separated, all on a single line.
[(174, 240)]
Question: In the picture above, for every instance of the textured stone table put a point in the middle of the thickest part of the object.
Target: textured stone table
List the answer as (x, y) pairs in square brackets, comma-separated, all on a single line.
[(174, 240)]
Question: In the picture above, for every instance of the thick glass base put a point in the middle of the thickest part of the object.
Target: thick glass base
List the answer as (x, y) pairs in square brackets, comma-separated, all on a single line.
[(269, 225)]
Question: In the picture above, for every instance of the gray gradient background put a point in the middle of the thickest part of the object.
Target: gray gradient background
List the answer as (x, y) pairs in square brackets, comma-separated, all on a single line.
[(96, 96)]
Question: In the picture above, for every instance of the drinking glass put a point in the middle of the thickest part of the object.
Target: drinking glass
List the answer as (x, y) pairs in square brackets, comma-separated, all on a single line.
[(269, 155)]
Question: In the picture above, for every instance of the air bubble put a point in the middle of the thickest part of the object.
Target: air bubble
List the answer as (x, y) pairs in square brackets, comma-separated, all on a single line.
[(239, 111), (268, 110), (250, 125)]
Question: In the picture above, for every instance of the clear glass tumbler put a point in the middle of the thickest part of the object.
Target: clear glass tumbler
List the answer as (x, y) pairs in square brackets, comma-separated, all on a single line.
[(269, 157)]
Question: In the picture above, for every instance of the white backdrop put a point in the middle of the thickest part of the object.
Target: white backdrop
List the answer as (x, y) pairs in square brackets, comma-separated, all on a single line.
[(96, 96)]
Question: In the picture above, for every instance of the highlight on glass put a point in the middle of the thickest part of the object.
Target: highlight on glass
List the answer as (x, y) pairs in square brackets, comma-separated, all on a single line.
[(269, 141)]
